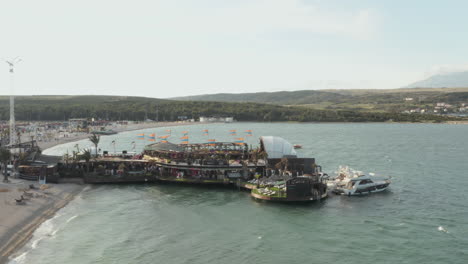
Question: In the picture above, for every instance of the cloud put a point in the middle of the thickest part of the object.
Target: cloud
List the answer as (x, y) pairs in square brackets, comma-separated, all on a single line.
[(270, 16)]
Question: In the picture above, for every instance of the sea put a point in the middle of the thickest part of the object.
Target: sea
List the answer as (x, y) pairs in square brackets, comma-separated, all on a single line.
[(421, 218)]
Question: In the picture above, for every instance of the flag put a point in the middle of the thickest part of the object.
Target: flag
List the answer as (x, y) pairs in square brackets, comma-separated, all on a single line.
[(184, 137), (184, 142), (141, 136), (152, 137), (239, 141), (249, 133), (164, 137), (205, 132), (232, 132)]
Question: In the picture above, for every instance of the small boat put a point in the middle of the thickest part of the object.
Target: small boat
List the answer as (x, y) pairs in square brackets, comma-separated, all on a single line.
[(362, 184), (105, 133), (297, 146)]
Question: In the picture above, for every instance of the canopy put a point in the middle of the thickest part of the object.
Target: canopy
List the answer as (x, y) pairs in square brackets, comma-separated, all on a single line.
[(164, 147), (277, 147)]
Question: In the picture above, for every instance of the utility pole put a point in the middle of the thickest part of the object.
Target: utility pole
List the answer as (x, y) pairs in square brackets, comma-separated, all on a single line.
[(12, 64)]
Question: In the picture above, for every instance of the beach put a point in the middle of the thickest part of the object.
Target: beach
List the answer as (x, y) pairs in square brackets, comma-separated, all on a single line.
[(19, 221), (70, 137)]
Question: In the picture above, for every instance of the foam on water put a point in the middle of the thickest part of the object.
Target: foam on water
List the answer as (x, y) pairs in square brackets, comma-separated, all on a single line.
[(71, 218), (19, 259), (49, 229), (46, 229), (442, 229)]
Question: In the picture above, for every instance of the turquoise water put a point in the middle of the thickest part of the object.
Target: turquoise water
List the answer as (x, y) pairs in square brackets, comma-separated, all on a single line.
[(422, 218)]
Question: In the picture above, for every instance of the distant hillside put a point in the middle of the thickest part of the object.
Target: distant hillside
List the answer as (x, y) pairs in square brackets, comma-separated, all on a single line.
[(388, 100), (283, 98), (33, 108), (454, 79)]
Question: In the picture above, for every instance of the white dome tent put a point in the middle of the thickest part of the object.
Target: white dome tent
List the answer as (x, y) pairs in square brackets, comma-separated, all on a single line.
[(277, 147)]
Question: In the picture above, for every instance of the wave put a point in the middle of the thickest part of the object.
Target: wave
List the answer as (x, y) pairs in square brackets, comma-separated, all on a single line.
[(47, 230), (71, 218)]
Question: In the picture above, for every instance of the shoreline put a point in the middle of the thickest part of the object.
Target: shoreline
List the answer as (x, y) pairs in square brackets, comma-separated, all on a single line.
[(43, 145), (20, 234), (19, 222)]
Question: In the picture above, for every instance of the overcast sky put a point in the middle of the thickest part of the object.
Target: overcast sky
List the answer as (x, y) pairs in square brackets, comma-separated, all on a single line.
[(174, 48)]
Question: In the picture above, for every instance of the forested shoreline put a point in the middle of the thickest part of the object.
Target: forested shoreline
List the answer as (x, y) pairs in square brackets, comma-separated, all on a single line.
[(47, 108)]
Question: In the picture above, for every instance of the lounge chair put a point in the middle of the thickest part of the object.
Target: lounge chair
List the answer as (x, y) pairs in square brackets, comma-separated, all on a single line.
[(20, 201)]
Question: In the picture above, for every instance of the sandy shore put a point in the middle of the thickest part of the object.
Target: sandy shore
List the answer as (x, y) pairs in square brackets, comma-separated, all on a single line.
[(19, 221)]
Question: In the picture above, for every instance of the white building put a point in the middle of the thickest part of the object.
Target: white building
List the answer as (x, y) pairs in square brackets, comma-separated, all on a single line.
[(216, 119)]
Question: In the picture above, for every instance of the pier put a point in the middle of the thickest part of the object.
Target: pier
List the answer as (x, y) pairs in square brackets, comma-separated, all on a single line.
[(272, 172)]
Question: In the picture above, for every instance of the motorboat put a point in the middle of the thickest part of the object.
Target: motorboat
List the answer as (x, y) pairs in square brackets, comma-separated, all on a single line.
[(297, 146), (105, 132), (344, 175), (362, 184)]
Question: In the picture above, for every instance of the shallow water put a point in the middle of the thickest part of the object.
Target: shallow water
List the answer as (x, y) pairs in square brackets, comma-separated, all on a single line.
[(422, 218)]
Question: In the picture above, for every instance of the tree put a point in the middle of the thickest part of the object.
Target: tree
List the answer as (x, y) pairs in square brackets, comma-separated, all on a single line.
[(95, 140), (5, 156), (86, 156), (66, 157)]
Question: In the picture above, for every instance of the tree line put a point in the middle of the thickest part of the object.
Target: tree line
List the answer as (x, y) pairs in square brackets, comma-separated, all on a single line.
[(139, 108)]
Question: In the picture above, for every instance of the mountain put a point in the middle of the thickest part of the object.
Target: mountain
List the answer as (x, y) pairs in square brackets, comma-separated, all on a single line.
[(454, 79)]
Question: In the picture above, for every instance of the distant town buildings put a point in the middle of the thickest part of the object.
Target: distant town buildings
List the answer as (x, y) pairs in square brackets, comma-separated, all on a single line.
[(216, 119), (440, 108)]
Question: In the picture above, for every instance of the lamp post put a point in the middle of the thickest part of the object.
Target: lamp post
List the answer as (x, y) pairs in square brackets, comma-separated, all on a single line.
[(11, 63)]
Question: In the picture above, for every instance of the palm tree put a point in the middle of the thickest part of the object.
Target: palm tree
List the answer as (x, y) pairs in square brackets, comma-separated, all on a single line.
[(5, 156), (95, 140), (66, 157), (86, 156)]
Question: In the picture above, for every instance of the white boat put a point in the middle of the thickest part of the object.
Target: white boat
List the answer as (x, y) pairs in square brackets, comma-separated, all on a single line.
[(345, 174), (362, 184)]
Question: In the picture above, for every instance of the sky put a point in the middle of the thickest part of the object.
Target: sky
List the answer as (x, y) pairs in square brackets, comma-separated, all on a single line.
[(174, 48)]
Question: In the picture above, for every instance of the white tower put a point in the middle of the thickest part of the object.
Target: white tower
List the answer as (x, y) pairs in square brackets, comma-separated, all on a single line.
[(12, 63)]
